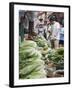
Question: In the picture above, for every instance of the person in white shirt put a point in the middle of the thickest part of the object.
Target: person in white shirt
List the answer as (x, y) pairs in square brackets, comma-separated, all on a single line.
[(41, 28), (55, 32)]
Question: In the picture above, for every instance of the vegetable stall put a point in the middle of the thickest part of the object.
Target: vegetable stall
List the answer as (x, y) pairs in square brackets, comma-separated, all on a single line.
[(38, 60)]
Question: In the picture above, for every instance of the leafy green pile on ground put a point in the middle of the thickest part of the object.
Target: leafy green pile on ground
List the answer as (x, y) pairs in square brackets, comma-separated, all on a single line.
[(30, 63), (42, 46), (57, 57)]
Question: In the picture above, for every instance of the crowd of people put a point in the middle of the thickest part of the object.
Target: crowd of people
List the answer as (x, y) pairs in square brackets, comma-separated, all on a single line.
[(51, 29)]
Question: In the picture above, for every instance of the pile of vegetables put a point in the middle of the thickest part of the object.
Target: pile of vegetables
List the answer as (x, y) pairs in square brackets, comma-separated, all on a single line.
[(30, 64), (42, 46), (41, 41), (38, 60), (57, 56)]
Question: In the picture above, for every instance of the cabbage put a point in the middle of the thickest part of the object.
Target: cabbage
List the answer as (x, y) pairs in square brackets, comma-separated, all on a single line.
[(30, 63), (29, 53), (36, 75), (41, 41), (29, 43), (56, 55)]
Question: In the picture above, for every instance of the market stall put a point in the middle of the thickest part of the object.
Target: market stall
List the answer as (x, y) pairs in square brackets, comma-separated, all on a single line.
[(37, 58)]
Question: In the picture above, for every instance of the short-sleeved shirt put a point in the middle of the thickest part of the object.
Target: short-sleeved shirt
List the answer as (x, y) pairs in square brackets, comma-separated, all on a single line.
[(55, 31)]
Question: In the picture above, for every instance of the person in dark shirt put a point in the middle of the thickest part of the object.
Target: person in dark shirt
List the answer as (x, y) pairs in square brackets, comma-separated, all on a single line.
[(61, 41), (21, 29)]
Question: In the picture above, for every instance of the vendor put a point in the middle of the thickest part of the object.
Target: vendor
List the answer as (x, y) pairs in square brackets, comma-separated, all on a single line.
[(23, 26), (21, 29), (45, 29)]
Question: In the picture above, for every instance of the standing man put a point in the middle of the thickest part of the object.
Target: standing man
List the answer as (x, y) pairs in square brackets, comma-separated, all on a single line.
[(41, 29), (21, 30), (40, 26), (23, 26), (55, 32)]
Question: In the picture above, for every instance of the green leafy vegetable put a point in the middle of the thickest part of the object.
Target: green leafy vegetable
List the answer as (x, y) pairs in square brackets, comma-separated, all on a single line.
[(30, 63)]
